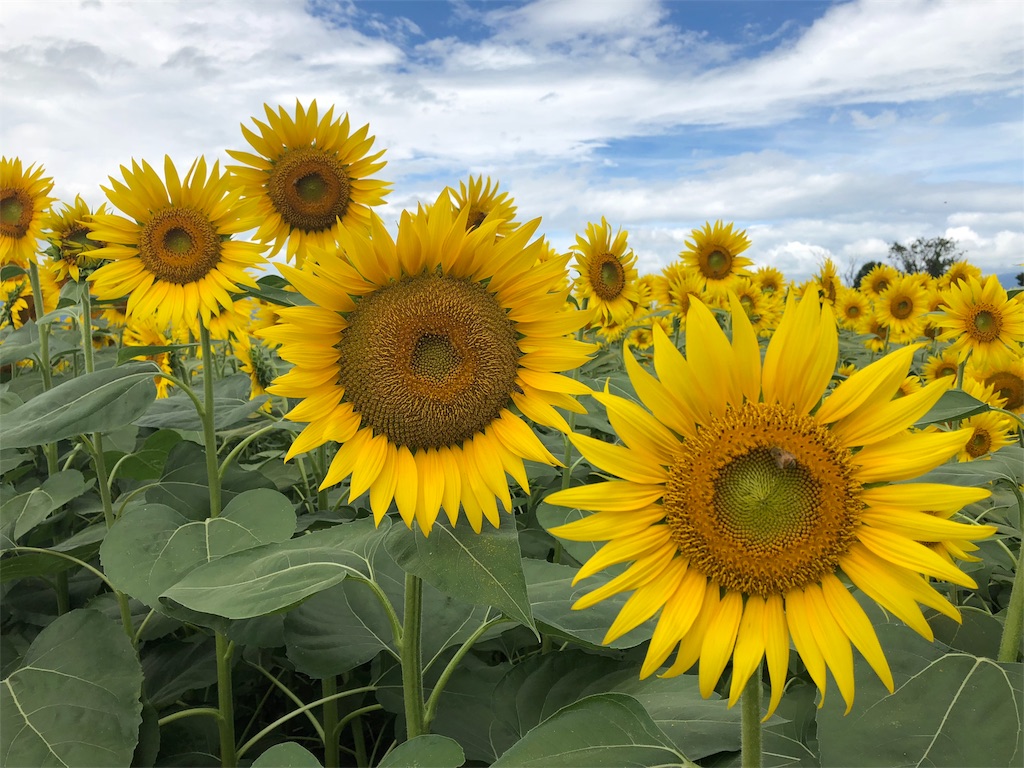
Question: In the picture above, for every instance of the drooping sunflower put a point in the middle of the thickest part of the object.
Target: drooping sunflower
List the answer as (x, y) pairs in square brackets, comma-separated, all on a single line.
[(257, 361), (741, 500), (878, 279), (715, 253), (311, 178), (416, 355), (828, 282), (483, 201), (982, 321), (24, 200), (17, 301), (71, 247), (901, 307), (173, 257), (608, 277)]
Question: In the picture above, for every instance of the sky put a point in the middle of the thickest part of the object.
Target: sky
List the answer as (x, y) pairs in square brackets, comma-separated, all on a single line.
[(823, 129)]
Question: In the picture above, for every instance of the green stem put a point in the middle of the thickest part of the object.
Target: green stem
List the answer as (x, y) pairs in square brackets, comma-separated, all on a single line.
[(329, 687), (750, 713), (209, 430), (226, 722), (291, 695), (1013, 628), (321, 493), (194, 712), (301, 711), (359, 739), (412, 658), (64, 556), (50, 449), (435, 694), (242, 445)]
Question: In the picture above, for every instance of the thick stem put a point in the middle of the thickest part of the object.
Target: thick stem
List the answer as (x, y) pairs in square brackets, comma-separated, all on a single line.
[(209, 430), (225, 702), (750, 712), (50, 449), (412, 658), (1009, 643), (332, 758)]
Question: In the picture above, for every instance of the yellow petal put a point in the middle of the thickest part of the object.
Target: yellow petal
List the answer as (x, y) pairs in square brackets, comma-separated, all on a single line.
[(367, 466), (856, 625), (776, 649), (383, 490), (431, 488), (720, 638), (750, 639), (921, 526), (646, 601), (691, 643), (624, 547), (628, 464), (834, 644), (911, 555), (870, 386), (638, 429), (914, 497), (908, 454), (746, 351), (799, 620), (612, 496), (864, 428), (639, 573), (678, 615), (406, 492)]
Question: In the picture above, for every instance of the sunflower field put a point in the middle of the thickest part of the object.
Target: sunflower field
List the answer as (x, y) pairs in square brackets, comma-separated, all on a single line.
[(290, 478)]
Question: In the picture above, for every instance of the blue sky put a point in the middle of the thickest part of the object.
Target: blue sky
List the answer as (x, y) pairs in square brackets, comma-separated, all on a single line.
[(825, 129)]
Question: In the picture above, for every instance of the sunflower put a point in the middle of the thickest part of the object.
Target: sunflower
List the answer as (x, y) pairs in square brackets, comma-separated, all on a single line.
[(24, 199), (939, 366), (172, 257), (715, 253), (257, 361), (852, 307), (741, 500), (607, 273), (828, 282), (17, 301), (1006, 380), (679, 284), (990, 431), (982, 321), (878, 279), (901, 307), (415, 355), (958, 272), (770, 280), (145, 332), (67, 231), (909, 386), (310, 178), (483, 201)]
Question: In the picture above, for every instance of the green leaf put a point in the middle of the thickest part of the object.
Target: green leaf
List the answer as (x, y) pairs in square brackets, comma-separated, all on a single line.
[(276, 576), (478, 568), (152, 547), (541, 685), (287, 755), (126, 353), (148, 462), (954, 405), (609, 729), (430, 751), (178, 412), (552, 595), (95, 402), (271, 288), (24, 512), (1005, 464), (173, 669), (929, 686), (551, 516), (75, 698)]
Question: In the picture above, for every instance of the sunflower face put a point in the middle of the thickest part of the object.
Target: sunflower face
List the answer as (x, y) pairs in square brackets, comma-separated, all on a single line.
[(483, 200), (983, 322), (715, 253), (310, 178), (24, 199), (429, 361), (607, 273), (417, 354), (67, 231), (744, 499), (173, 257)]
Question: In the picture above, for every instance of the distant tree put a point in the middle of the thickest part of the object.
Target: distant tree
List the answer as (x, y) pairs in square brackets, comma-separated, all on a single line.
[(1020, 278), (933, 256), (863, 271)]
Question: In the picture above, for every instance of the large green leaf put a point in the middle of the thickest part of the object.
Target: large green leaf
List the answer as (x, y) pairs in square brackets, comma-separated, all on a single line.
[(430, 751), (346, 625), (609, 729), (147, 463), (287, 755), (478, 568), (75, 700), (231, 407), (541, 685), (22, 513), (95, 402), (276, 576), (23, 343), (953, 406), (552, 595), (151, 548), (958, 710)]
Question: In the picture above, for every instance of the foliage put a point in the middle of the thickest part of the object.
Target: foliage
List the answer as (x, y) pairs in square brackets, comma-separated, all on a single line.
[(933, 255)]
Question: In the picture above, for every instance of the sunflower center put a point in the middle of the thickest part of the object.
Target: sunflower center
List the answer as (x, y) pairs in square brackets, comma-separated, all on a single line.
[(902, 309), (15, 213), (853, 311), (985, 325), (1009, 387), (881, 286), (310, 189), (607, 276), (179, 245), (429, 361), (718, 265), (475, 219), (763, 500), (979, 444)]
